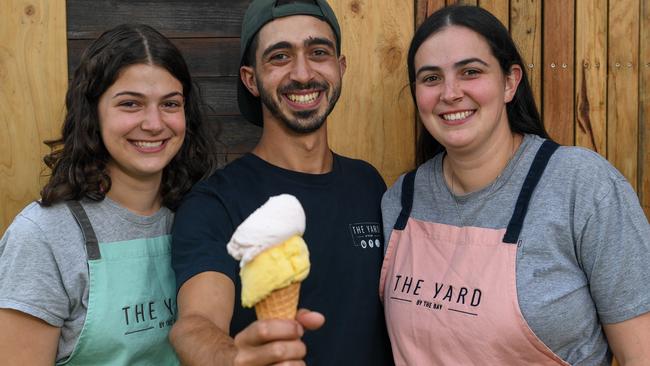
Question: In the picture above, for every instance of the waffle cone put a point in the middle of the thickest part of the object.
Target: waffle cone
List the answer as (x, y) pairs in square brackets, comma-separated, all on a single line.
[(280, 304)]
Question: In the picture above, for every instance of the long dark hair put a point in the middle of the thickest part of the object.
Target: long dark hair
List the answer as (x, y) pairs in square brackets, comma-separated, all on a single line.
[(523, 116), (78, 159)]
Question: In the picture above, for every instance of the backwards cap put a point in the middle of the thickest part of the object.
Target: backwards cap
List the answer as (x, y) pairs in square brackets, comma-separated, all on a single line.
[(258, 14)]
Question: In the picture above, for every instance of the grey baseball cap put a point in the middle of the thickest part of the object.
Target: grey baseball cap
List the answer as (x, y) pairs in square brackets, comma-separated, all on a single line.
[(259, 13)]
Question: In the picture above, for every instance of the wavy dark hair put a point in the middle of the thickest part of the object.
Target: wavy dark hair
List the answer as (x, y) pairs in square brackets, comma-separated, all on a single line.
[(523, 116), (78, 159)]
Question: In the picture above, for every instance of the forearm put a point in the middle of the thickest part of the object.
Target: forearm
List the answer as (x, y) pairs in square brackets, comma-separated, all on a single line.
[(199, 342)]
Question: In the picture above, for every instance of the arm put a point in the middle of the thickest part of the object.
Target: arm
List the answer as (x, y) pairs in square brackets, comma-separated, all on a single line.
[(630, 340), (26, 340), (200, 336)]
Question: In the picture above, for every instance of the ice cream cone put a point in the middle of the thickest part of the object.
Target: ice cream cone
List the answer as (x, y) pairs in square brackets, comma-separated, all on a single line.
[(280, 304)]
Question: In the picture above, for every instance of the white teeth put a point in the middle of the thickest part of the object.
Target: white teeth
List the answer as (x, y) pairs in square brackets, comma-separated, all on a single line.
[(303, 98), (456, 116), (148, 144)]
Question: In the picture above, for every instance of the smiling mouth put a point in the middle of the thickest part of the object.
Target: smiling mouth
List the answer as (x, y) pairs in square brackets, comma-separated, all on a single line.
[(147, 144), (303, 98), (457, 115)]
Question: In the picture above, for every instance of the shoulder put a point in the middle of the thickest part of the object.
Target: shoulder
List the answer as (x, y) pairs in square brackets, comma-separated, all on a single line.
[(585, 161), (420, 181), (585, 171), (41, 218), (357, 167)]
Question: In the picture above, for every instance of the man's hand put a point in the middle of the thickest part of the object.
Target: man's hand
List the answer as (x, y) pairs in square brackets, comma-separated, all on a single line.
[(274, 341)]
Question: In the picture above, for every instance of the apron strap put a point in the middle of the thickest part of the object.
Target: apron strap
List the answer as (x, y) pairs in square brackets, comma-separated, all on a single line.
[(79, 214), (408, 185), (534, 175)]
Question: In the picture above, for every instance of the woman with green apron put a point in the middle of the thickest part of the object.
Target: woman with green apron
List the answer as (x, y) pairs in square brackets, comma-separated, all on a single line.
[(85, 272)]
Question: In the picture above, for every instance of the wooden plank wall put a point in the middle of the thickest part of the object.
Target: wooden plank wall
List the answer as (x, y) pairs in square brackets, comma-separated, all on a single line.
[(375, 117), (32, 86), (589, 65)]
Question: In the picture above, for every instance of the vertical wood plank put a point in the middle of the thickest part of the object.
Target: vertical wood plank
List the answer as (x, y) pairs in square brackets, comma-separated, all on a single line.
[(558, 71), (33, 76), (424, 8), (526, 30), (591, 75), (375, 120), (623, 88), (499, 8), (644, 108)]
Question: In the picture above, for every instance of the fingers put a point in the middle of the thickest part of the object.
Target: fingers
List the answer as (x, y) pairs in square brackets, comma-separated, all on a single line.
[(311, 320), (278, 352), (264, 331), (270, 342)]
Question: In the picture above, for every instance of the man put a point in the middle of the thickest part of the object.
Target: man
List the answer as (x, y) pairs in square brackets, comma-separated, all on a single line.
[(291, 71)]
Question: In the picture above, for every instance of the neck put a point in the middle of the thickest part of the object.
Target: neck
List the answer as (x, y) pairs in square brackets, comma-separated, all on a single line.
[(466, 173), (304, 153), (140, 196)]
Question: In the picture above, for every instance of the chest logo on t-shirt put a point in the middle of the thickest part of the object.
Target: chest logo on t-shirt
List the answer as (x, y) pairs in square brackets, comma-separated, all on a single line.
[(366, 235)]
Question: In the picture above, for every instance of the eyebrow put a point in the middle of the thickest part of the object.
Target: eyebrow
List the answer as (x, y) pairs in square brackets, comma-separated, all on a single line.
[(315, 41), (457, 65), (309, 42), (140, 95), (276, 46)]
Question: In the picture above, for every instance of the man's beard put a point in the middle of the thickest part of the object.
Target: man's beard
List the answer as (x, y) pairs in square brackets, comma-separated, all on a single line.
[(302, 122)]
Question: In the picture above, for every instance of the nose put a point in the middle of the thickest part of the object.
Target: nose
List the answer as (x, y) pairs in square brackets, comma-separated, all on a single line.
[(153, 120), (302, 71), (451, 92)]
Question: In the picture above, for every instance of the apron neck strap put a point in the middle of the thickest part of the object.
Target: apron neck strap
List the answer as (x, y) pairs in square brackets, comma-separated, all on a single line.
[(90, 239), (534, 175), (407, 200)]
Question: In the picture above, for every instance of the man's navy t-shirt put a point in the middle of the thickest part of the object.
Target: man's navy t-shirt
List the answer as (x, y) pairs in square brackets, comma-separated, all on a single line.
[(344, 237)]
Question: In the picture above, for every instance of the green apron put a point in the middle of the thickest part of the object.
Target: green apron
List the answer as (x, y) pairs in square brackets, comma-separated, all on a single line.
[(131, 301)]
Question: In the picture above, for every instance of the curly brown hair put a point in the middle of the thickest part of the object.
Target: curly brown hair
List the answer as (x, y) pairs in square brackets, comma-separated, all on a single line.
[(78, 159)]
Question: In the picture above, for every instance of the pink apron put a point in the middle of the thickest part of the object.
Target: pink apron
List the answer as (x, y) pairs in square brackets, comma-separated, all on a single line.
[(450, 293)]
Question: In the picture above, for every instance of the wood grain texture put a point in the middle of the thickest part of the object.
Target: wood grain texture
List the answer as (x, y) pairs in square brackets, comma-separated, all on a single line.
[(205, 57), (591, 75), (424, 8), (173, 18), (644, 108), (375, 120), (558, 71), (33, 80), (219, 93), (462, 2), (526, 30), (623, 88), (499, 8)]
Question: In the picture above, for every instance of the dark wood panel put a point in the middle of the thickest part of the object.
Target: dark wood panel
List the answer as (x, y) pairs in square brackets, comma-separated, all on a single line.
[(206, 57), (235, 137), (220, 94), (173, 18)]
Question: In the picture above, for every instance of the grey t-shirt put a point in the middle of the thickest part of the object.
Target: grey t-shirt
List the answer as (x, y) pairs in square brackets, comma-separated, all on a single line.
[(585, 244), (43, 265)]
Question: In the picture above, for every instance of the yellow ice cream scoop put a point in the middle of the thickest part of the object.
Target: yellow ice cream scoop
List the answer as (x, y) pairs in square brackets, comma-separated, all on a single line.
[(274, 268)]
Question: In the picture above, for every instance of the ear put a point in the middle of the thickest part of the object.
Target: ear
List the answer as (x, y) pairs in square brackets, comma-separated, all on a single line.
[(247, 75), (343, 64), (512, 82)]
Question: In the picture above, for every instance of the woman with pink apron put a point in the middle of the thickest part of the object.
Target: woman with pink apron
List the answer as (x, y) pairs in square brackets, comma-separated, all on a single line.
[(504, 248), (423, 263)]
